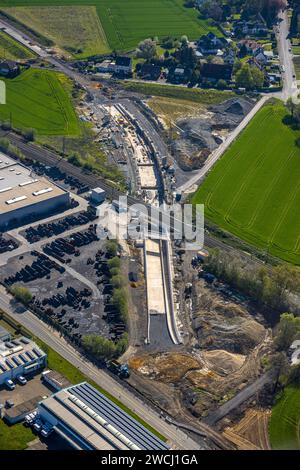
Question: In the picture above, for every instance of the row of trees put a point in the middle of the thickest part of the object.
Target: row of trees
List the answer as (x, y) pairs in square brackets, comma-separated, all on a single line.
[(99, 347), (269, 288), (286, 332)]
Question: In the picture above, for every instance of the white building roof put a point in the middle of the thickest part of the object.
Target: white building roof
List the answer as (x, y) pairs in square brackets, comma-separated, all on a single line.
[(18, 352), (19, 188)]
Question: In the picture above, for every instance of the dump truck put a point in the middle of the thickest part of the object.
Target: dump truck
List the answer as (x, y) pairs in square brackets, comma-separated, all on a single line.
[(122, 370)]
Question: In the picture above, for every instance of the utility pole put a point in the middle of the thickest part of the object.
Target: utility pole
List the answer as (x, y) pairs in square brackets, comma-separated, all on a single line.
[(63, 145)]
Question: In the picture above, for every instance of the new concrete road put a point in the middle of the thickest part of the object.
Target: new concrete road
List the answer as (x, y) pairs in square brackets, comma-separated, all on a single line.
[(214, 157), (240, 398), (52, 338), (290, 89)]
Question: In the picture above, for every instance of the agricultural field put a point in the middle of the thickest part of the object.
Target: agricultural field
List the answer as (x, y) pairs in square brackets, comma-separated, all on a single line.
[(75, 30), (39, 99), (285, 420), (12, 50), (125, 23), (253, 191)]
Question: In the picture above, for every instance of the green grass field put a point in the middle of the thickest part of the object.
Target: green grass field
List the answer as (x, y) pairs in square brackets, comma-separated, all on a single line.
[(12, 50), (297, 66), (206, 97), (125, 23), (15, 437), (254, 190), (74, 29), (39, 99), (284, 426)]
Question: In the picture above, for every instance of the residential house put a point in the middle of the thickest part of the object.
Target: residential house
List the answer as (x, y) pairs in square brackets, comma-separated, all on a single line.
[(253, 62), (261, 58), (249, 47), (123, 66), (250, 28), (229, 57), (179, 75), (107, 66), (216, 72), (9, 69), (149, 72), (211, 44)]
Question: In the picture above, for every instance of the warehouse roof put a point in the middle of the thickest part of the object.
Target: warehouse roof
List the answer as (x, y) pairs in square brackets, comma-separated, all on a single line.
[(19, 188), (18, 352), (99, 422), (6, 161)]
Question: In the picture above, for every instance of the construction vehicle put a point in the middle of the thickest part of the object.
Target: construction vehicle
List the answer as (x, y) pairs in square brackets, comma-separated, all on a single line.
[(122, 370)]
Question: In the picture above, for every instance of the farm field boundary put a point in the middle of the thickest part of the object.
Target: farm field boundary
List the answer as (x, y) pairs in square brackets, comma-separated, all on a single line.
[(254, 190)]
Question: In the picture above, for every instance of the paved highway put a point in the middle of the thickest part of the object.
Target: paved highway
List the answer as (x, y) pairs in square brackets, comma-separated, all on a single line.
[(52, 338)]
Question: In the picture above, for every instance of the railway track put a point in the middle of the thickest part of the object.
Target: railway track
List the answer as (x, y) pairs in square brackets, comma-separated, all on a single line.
[(50, 158)]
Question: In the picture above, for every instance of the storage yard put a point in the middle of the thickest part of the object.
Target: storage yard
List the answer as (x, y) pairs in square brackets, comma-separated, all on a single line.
[(75, 295)]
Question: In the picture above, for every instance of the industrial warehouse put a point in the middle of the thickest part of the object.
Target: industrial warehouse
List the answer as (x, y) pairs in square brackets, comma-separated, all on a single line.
[(24, 198), (19, 357), (90, 421)]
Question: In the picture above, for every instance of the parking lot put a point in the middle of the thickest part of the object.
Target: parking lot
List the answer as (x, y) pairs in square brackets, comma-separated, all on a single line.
[(23, 393)]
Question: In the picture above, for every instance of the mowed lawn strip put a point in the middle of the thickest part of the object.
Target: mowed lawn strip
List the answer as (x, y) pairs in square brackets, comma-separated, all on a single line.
[(37, 99), (13, 50), (205, 97), (284, 424), (126, 23), (254, 189), (75, 29), (15, 437)]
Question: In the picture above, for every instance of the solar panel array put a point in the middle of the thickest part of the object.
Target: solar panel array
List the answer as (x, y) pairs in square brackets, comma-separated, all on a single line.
[(127, 425), (37, 352)]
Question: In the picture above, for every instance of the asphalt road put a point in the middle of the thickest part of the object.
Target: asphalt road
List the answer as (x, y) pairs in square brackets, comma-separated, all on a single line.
[(286, 58), (214, 157), (52, 338)]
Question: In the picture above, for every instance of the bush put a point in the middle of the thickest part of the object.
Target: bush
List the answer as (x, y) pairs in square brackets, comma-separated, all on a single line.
[(111, 248), (100, 347), (118, 281), (115, 262), (22, 294), (119, 300), (29, 135)]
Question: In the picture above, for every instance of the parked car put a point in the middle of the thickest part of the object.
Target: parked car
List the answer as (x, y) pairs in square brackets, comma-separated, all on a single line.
[(37, 425), (9, 403), (46, 431), (9, 383), (21, 380)]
